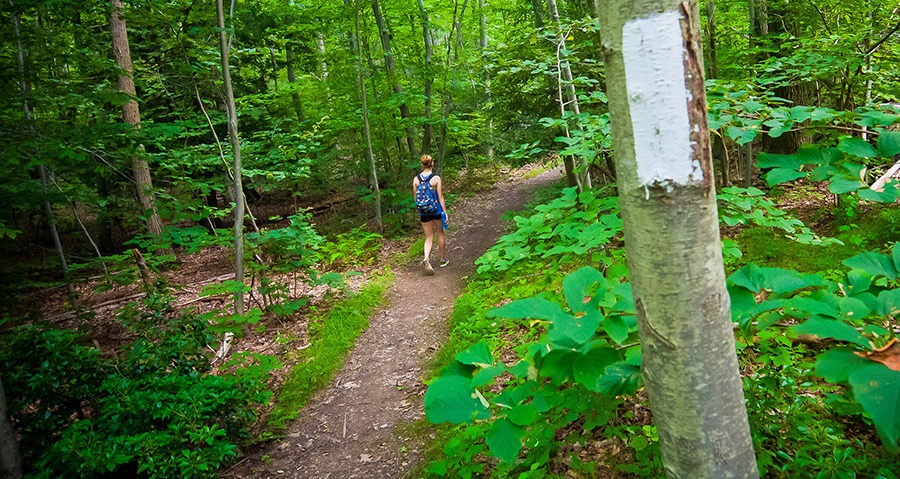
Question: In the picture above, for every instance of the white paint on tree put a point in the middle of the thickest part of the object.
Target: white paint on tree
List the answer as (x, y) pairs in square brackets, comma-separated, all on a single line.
[(653, 52)]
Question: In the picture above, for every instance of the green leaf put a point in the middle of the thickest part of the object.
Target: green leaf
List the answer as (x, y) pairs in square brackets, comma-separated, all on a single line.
[(777, 280), (557, 365), (876, 264), (487, 375), (536, 308), (616, 328), (621, 379), (452, 399), (857, 147), (772, 160), (828, 328), (504, 440), (523, 415), (578, 285), (877, 389), (783, 175), (588, 368), (886, 196), (889, 143), (836, 365), (573, 332), (477, 355), (888, 303), (895, 256), (839, 185)]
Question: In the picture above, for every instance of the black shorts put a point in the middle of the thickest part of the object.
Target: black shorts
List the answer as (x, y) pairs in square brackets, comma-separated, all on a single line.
[(429, 218)]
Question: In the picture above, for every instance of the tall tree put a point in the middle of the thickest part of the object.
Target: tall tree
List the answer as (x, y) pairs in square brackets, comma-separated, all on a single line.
[(489, 144), (373, 171), (236, 152), (391, 66), (10, 456), (653, 56), (132, 115)]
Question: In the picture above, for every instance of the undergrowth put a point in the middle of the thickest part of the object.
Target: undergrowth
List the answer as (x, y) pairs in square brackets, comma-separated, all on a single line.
[(803, 426)]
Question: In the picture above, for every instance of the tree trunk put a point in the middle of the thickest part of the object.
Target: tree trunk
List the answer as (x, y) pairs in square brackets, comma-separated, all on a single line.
[(653, 56), (236, 151), (538, 10), (323, 65), (43, 173), (296, 101), (489, 141), (391, 66), (10, 456), (713, 63), (132, 115), (369, 156), (429, 76), (568, 100), (447, 97)]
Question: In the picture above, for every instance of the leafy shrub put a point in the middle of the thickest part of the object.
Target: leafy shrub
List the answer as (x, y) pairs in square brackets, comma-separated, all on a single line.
[(356, 247), (154, 412)]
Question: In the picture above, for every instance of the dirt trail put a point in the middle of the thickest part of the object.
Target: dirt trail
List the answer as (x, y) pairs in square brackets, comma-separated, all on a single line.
[(349, 429)]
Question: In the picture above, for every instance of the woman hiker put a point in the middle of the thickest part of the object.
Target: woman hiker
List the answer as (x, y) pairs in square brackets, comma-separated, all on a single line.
[(431, 220)]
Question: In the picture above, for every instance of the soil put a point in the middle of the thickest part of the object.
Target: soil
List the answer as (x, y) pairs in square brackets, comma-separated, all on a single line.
[(353, 427)]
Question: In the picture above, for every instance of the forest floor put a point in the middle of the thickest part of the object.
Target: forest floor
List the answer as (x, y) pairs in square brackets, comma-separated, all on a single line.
[(354, 428)]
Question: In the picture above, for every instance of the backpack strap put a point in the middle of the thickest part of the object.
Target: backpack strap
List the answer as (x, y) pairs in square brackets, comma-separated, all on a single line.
[(425, 180)]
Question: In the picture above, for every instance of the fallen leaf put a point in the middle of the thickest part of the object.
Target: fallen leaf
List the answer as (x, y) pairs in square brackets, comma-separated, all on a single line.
[(889, 355)]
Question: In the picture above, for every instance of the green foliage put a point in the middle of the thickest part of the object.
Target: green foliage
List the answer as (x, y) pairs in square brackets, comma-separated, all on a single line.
[(331, 335), (572, 226), (850, 311), (154, 411), (575, 372), (742, 206), (844, 166), (356, 247)]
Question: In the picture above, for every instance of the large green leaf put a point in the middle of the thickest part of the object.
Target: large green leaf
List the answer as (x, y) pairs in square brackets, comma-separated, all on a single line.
[(477, 355), (557, 365), (588, 368), (777, 280), (783, 175), (876, 264), (452, 399), (504, 440), (772, 160), (578, 285), (621, 379), (617, 328), (836, 365), (536, 308), (888, 303), (877, 389), (827, 328), (570, 331), (857, 147), (888, 195), (523, 414), (889, 143), (487, 375), (840, 186)]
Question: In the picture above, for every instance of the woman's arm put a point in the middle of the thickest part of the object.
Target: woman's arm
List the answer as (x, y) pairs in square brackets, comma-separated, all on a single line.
[(440, 192)]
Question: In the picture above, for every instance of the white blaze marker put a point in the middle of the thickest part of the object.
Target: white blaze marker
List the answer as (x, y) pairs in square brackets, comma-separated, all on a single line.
[(653, 52)]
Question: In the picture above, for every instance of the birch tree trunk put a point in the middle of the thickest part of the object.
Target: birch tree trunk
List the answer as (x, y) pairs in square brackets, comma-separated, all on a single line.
[(653, 56), (369, 156), (538, 10), (489, 150), (10, 456), (236, 151), (569, 100), (132, 115), (429, 75), (391, 66)]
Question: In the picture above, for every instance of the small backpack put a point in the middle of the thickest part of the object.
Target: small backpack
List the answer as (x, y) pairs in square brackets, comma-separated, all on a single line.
[(426, 197)]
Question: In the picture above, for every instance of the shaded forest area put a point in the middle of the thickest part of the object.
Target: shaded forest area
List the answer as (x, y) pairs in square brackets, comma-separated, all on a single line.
[(127, 270)]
